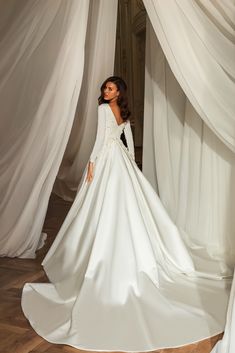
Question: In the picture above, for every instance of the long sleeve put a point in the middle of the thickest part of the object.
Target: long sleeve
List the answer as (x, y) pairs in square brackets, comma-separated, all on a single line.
[(100, 134), (129, 139)]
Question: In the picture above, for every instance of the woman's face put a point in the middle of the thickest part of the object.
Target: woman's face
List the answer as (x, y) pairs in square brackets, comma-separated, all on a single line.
[(110, 92)]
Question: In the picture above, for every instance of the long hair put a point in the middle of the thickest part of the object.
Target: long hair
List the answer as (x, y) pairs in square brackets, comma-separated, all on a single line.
[(122, 100)]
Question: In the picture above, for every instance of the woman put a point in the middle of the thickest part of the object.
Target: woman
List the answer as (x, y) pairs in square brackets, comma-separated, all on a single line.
[(118, 267)]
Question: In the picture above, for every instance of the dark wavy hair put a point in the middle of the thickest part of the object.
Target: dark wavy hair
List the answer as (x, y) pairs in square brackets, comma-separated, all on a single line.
[(122, 100)]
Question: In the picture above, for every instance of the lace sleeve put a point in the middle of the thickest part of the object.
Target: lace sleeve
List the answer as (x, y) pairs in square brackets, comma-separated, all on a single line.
[(129, 139), (100, 134)]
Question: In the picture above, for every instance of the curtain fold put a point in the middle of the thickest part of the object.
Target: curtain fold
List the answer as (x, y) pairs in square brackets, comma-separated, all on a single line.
[(99, 64), (200, 49), (42, 56), (227, 344), (190, 167)]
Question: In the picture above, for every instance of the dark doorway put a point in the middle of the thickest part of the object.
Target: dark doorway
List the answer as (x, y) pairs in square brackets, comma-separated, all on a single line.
[(130, 62)]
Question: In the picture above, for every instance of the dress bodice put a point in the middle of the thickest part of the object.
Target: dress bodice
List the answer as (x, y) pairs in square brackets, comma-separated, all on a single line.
[(108, 131)]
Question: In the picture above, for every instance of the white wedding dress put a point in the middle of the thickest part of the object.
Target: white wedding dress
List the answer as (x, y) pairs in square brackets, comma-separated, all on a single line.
[(121, 276)]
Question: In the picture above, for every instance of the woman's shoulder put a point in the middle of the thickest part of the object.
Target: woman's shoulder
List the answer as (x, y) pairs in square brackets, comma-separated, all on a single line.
[(102, 110), (127, 122), (102, 106)]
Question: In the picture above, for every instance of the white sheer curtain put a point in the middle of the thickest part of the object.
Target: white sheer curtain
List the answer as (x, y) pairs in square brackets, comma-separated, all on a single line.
[(227, 344), (197, 38), (99, 64), (191, 166), (41, 67)]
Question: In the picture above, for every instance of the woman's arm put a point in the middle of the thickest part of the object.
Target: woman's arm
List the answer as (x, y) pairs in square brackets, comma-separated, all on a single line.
[(129, 139), (100, 134)]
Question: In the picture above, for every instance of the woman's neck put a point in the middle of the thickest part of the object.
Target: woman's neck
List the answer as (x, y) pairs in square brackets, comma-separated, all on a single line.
[(113, 103)]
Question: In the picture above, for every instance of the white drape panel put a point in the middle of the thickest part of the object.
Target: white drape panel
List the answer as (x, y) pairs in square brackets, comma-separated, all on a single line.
[(227, 344), (191, 168), (99, 64), (41, 67), (198, 40)]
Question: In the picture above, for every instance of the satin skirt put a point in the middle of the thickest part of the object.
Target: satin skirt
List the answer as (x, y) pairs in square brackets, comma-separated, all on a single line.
[(121, 277)]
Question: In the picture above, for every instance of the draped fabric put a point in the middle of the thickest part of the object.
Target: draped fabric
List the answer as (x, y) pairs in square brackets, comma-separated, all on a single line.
[(189, 135), (198, 40), (120, 272), (227, 344), (41, 67), (99, 64), (187, 155)]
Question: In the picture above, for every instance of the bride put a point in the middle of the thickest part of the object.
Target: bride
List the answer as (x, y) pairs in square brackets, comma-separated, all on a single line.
[(121, 276)]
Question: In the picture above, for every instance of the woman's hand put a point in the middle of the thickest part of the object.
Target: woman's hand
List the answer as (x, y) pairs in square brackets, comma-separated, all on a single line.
[(90, 172)]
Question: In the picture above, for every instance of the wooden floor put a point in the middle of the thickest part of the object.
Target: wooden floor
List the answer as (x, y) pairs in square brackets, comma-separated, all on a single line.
[(16, 335)]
